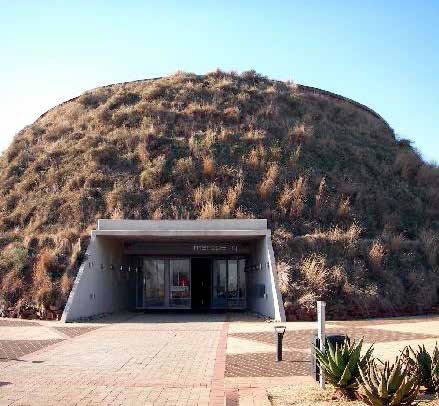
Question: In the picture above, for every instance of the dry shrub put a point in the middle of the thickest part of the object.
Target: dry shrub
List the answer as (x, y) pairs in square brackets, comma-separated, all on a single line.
[(344, 207), (282, 237), (208, 166), (151, 174), (313, 270), (12, 284), (292, 199), (157, 214), (198, 196), (430, 245), (43, 286), (407, 164), (321, 198), (184, 167), (65, 285), (376, 255), (256, 156), (265, 188), (396, 243), (300, 133), (295, 155), (159, 195), (231, 199), (255, 134), (203, 194), (284, 271), (208, 211)]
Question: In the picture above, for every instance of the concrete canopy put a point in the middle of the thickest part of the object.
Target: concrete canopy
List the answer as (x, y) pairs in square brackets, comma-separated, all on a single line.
[(99, 287)]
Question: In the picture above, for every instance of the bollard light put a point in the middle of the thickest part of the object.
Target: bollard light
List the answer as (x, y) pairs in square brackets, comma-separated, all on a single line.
[(280, 331)]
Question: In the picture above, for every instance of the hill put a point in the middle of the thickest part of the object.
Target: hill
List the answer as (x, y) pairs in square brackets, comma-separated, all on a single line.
[(354, 211)]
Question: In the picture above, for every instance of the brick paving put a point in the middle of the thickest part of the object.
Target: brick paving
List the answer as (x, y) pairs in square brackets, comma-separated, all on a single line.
[(265, 364), (301, 339), (171, 359), (75, 331), (17, 323), (179, 361), (15, 349)]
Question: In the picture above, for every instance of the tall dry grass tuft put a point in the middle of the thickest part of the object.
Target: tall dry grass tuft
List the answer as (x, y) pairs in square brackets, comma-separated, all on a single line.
[(208, 211), (344, 207), (151, 174), (284, 271), (43, 286), (430, 245), (321, 199), (300, 133), (65, 285), (256, 157), (231, 199), (292, 199), (313, 270), (376, 255), (266, 186), (208, 166)]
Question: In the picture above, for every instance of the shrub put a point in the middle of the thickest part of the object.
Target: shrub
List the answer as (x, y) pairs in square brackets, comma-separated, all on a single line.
[(376, 255), (427, 366), (342, 364), (151, 174), (396, 384)]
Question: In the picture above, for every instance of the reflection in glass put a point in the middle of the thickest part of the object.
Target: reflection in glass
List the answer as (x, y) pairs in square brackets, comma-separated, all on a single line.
[(180, 282), (232, 285), (154, 282), (220, 288)]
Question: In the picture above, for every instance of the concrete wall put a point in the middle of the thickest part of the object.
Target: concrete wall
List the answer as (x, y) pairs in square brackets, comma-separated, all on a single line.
[(181, 225), (98, 288), (270, 304)]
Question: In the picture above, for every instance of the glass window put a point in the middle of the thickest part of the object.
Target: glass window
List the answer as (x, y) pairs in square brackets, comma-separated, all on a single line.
[(220, 287), (154, 282), (232, 283), (242, 286), (180, 293)]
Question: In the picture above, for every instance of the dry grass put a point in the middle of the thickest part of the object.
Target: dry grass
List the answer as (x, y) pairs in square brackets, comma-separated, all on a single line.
[(208, 167), (224, 145), (311, 395), (376, 255), (265, 188)]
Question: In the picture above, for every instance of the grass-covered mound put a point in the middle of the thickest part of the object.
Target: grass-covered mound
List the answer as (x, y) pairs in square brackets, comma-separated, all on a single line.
[(354, 211)]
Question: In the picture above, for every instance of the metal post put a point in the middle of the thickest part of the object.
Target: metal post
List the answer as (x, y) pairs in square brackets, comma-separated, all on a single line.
[(280, 331), (321, 334), (279, 346)]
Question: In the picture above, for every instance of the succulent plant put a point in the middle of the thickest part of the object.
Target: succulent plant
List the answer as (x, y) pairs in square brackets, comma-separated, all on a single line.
[(393, 385), (341, 365), (427, 365)]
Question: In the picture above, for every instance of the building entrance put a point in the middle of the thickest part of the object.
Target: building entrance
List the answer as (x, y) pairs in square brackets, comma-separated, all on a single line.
[(201, 283)]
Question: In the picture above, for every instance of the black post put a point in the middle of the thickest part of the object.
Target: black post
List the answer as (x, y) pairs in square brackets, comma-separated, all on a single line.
[(280, 336)]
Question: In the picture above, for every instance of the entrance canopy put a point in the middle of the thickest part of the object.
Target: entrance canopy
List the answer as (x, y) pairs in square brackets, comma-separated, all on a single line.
[(147, 264)]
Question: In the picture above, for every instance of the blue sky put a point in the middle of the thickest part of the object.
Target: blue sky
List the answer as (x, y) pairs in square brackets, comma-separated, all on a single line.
[(382, 54)]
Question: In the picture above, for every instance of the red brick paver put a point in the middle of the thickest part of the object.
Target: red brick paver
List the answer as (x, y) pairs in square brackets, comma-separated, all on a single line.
[(15, 349), (217, 391)]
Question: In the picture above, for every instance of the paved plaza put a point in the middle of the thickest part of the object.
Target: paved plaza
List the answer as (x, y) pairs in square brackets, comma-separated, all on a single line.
[(173, 359)]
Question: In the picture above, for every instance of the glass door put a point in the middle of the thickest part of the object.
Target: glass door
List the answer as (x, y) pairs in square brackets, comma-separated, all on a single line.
[(229, 284), (153, 282), (180, 282), (219, 283)]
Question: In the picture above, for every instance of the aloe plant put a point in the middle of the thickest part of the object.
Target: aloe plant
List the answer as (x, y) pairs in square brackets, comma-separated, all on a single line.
[(393, 385), (341, 365), (427, 365)]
